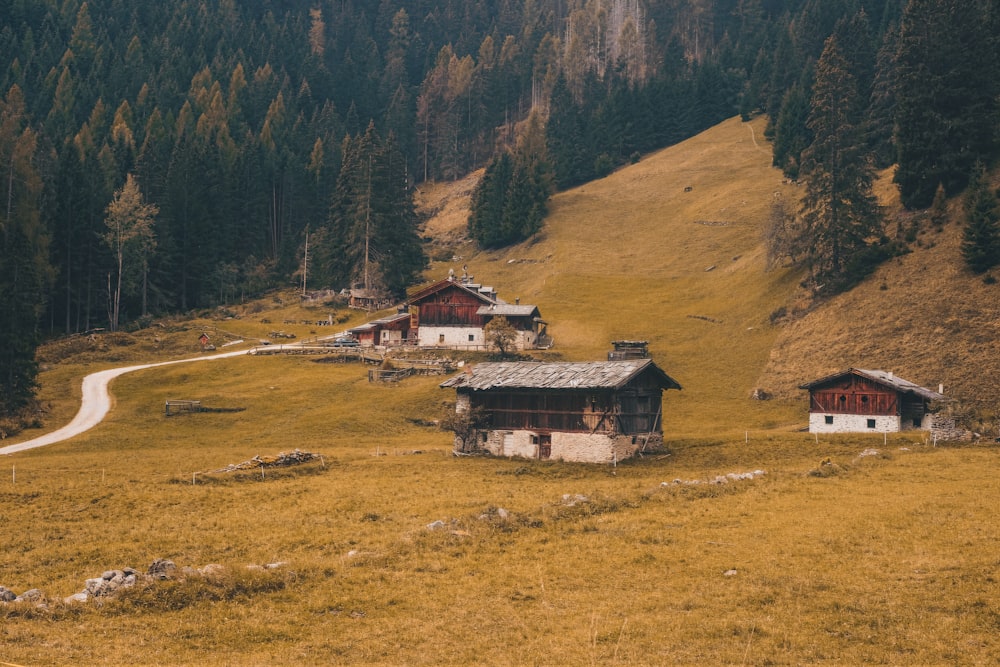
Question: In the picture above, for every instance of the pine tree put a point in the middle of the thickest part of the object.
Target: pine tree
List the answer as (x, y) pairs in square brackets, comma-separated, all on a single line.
[(840, 214), (486, 216), (372, 236), (981, 235), (25, 273), (947, 103)]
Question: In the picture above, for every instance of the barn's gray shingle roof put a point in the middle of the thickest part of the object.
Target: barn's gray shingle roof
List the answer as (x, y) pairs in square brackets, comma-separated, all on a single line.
[(556, 375)]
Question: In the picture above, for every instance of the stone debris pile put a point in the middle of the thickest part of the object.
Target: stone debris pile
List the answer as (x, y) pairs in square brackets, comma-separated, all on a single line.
[(279, 461), (113, 581), (718, 479)]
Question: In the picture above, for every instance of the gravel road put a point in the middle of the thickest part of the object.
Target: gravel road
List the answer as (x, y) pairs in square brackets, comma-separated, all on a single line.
[(96, 403)]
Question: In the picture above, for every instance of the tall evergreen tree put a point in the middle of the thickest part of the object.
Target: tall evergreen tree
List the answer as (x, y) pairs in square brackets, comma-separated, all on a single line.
[(947, 105), (981, 234), (372, 236), (24, 269), (840, 214), (486, 215)]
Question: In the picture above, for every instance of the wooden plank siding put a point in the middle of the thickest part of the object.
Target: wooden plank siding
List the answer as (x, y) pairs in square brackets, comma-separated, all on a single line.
[(453, 313), (627, 412), (854, 395)]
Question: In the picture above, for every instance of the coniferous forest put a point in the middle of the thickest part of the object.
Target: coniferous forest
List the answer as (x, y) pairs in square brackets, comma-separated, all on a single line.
[(159, 157)]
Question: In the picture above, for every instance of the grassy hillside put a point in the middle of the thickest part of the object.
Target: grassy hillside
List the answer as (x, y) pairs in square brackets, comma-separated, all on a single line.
[(885, 555), (922, 315), (667, 250)]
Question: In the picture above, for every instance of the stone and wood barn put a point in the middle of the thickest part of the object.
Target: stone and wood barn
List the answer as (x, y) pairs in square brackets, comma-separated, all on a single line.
[(597, 412), (452, 313), (861, 401)]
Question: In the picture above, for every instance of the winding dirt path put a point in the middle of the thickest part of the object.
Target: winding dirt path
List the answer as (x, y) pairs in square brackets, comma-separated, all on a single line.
[(96, 402)]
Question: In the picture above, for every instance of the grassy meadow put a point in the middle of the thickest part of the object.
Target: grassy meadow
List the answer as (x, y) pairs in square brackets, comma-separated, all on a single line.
[(887, 555)]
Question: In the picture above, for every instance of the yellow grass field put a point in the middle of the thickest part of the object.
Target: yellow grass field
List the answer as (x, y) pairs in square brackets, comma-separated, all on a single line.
[(391, 551)]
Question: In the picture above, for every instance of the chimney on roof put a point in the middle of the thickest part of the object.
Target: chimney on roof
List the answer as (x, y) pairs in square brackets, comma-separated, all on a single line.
[(940, 388), (517, 300), (889, 373)]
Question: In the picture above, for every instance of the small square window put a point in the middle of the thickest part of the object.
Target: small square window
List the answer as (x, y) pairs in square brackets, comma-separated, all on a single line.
[(871, 423), (828, 419), (472, 338), (440, 338)]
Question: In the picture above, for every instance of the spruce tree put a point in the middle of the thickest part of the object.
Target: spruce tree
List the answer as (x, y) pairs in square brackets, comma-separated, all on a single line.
[(488, 202), (947, 103), (25, 273), (840, 214), (981, 235), (371, 237)]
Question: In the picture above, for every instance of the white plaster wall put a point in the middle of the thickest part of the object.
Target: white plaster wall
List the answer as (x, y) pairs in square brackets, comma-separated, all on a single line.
[(457, 337), (511, 443), (852, 424)]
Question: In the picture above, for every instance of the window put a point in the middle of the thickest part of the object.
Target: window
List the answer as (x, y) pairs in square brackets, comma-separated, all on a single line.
[(916, 422), (871, 423), (440, 338), (472, 338), (828, 419)]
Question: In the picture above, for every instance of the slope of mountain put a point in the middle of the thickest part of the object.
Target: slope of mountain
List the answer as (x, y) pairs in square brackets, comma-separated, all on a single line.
[(667, 250), (670, 250)]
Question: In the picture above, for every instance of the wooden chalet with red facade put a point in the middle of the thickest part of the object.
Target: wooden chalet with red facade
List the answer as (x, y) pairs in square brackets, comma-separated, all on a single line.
[(452, 313), (598, 412), (389, 331), (859, 401)]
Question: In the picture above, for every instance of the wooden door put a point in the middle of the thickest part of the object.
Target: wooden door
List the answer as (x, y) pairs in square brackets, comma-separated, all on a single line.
[(544, 445)]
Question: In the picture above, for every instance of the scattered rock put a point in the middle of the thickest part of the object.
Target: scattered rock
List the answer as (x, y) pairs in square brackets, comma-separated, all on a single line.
[(112, 581), (162, 569), (718, 479), (436, 525), (569, 500), (729, 573), (761, 395), (283, 459)]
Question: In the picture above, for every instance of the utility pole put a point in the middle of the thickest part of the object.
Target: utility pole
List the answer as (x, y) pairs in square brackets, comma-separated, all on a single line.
[(305, 263)]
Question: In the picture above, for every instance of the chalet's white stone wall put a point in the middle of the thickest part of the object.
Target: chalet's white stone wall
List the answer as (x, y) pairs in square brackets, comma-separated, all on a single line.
[(453, 337), (526, 340), (596, 448), (458, 338), (852, 423), (582, 447)]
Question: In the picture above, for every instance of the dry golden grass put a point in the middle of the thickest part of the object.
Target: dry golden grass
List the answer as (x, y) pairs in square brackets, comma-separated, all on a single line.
[(889, 558)]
